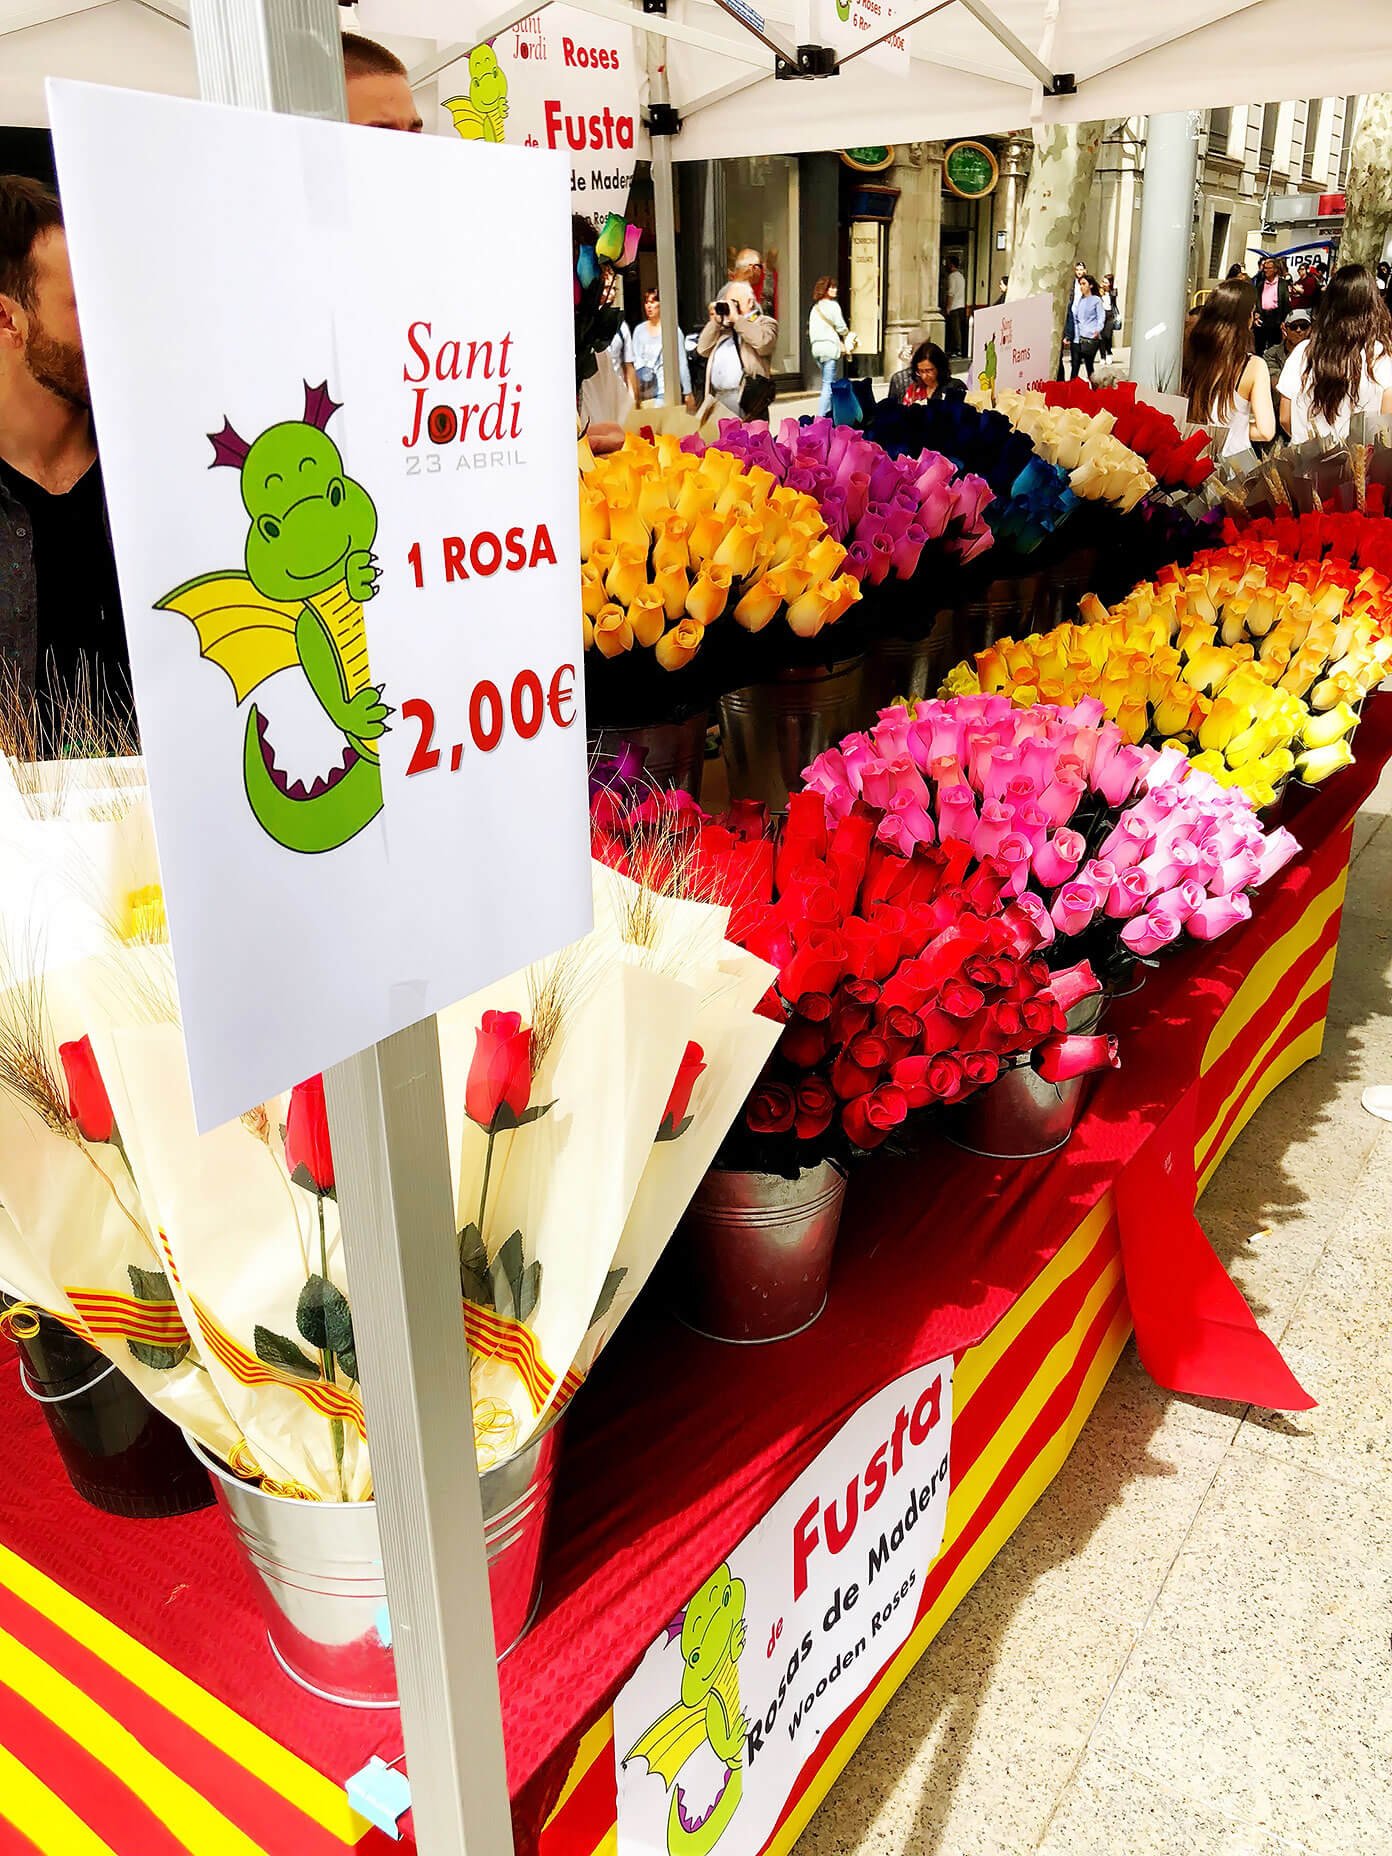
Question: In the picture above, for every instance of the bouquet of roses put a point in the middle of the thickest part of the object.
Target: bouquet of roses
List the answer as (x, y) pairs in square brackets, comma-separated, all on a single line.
[(1030, 499), (671, 545), (1100, 467), (1103, 846), (909, 523), (585, 1100), (903, 981), (1251, 663), (1176, 462), (1359, 539), (597, 319)]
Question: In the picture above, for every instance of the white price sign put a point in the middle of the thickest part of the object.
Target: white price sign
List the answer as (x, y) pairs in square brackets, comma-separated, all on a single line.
[(341, 482)]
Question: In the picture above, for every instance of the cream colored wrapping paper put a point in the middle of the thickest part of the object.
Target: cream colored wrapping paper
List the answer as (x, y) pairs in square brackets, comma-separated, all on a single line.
[(241, 1240), (565, 1181), (78, 1227)]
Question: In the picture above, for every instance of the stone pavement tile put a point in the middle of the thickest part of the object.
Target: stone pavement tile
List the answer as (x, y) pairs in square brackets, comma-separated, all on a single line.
[(1259, 1687), (1339, 1345), (973, 1753), (1110, 1809), (1370, 884)]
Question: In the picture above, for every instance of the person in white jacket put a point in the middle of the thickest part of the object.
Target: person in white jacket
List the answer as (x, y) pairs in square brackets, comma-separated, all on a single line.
[(826, 331)]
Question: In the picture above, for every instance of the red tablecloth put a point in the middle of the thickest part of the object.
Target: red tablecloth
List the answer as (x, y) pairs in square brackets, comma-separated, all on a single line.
[(678, 1445)]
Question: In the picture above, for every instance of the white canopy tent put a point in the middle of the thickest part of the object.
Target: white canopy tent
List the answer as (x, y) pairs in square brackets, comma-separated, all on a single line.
[(974, 66)]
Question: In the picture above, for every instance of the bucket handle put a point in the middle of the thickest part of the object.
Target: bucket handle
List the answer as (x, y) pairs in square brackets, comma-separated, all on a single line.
[(59, 1398)]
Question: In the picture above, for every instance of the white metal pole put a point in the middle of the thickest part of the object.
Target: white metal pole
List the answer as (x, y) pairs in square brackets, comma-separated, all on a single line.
[(387, 1120), (665, 213), (1160, 294)]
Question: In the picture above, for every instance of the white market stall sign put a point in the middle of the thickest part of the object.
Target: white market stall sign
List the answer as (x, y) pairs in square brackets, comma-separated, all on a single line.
[(716, 1724), (342, 493), (1012, 344), (559, 79)]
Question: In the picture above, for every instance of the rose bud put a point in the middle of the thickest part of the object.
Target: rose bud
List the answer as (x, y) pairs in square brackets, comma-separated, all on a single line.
[(868, 1119), (1064, 1058), (853, 1009), (901, 1030), (816, 1106), (1074, 983), (857, 1069), (90, 1106), (772, 1109), (500, 1076)]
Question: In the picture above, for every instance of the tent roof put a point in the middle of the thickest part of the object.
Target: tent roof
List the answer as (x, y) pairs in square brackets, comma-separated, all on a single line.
[(960, 78)]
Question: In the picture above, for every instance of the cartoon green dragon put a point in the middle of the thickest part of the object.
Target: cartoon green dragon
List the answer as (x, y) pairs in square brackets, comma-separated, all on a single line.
[(309, 567), (712, 1631), (479, 116)]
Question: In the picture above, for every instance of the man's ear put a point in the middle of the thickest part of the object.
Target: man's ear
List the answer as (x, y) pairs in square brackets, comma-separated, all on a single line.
[(14, 324)]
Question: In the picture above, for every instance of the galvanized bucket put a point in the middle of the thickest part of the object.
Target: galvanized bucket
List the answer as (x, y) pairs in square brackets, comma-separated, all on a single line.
[(1020, 1116), (674, 753), (912, 668), (770, 731), (752, 1256), (1063, 587), (1007, 609), (317, 1571)]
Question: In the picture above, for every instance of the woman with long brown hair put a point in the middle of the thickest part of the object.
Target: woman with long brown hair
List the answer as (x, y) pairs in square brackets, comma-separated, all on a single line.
[(826, 332), (1226, 382), (1346, 365)]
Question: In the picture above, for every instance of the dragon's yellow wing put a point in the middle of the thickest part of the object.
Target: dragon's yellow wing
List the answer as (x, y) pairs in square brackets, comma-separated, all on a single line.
[(670, 1742), (467, 119), (240, 630)]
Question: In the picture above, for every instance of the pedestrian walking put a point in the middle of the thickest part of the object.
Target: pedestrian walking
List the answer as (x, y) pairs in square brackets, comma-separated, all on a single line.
[(1227, 384), (1273, 301), (1088, 318), (955, 303), (828, 334), (1111, 321)]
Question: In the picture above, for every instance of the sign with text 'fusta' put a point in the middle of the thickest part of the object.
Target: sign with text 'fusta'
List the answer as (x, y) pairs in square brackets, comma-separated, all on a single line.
[(341, 480), (724, 1714)]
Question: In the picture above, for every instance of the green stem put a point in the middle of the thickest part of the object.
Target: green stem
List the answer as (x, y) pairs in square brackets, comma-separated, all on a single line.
[(483, 1196), (326, 1361)]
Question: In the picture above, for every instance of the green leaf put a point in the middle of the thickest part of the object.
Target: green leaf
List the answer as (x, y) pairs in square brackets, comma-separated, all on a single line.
[(303, 1177), (158, 1359), (607, 1294), (529, 1290), (149, 1285), (473, 1253), (475, 1286), (324, 1318), (669, 1133), (276, 1350), (504, 1120), (506, 1271)]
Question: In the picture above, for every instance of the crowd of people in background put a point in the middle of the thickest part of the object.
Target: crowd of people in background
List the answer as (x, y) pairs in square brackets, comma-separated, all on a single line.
[(1264, 355)]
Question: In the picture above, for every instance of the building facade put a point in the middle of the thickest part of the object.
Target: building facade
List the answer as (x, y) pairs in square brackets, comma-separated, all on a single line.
[(885, 221)]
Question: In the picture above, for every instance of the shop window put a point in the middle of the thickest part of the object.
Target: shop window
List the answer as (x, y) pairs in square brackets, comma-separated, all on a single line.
[(1218, 244), (761, 211), (1314, 110), (1219, 131), (1270, 115)]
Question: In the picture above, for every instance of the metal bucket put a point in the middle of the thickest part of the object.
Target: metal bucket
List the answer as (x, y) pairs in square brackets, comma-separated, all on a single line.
[(910, 667), (317, 1571), (752, 1256), (1020, 1116), (1063, 587), (770, 731), (674, 753), (120, 1454), (1007, 609)]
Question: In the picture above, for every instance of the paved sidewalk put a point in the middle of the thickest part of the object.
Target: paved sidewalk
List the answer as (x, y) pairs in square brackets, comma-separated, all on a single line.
[(1185, 1649)]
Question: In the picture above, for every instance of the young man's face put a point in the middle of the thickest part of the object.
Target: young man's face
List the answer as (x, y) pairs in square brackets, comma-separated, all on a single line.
[(46, 327), (383, 100)]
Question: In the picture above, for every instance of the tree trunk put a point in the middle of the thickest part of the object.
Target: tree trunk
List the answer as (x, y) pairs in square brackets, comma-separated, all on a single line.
[(1051, 215), (1368, 213)]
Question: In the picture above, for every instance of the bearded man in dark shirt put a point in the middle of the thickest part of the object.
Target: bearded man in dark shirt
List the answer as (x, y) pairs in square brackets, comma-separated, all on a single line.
[(60, 611)]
